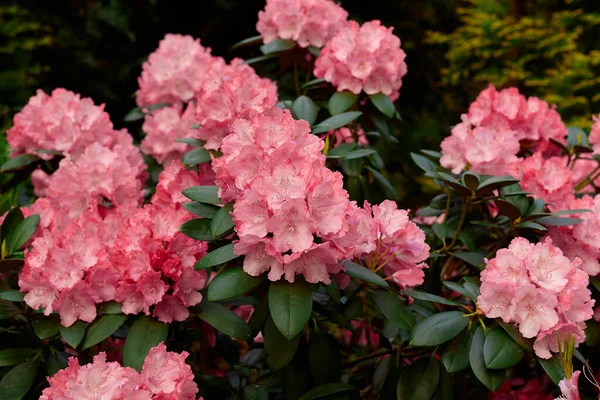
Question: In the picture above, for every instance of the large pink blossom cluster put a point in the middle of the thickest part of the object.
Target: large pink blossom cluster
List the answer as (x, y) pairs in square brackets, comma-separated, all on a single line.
[(581, 240), (236, 92), (165, 125), (366, 57), (549, 179), (541, 290), (165, 375), (133, 255), (308, 22), (292, 214), (176, 71), (62, 123), (499, 124)]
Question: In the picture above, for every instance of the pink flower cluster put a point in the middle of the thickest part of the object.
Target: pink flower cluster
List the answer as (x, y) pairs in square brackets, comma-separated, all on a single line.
[(581, 240), (236, 92), (133, 255), (549, 179), (366, 57), (285, 197), (308, 22), (538, 288), (165, 375), (165, 125), (62, 123), (594, 136), (176, 71), (569, 387), (498, 125)]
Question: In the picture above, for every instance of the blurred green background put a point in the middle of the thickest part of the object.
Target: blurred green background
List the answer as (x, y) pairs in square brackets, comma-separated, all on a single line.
[(547, 48)]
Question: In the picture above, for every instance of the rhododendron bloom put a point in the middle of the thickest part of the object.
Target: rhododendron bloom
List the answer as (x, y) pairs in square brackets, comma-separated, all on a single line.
[(62, 122), (569, 387), (176, 71), (538, 288), (547, 179), (236, 91), (165, 375), (162, 127), (308, 22), (594, 136), (366, 57)]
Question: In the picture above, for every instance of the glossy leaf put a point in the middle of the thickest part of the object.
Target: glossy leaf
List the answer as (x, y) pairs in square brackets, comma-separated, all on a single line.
[(231, 283), (9, 357), (201, 209), (280, 350), (203, 194), (217, 257), (222, 223), (306, 109), (277, 46), (554, 221), (475, 259), (439, 328), (196, 156), (21, 233), (223, 319), (423, 162), (12, 295), (19, 161), (553, 368), (248, 41), (290, 305), (198, 229), (385, 185), (110, 307), (191, 141), (393, 309), (325, 391), (363, 274), (73, 334), (314, 82), (430, 297), (420, 380), (456, 356), (16, 383), (359, 153), (383, 104), (341, 150), (45, 327), (496, 182), (341, 101), (145, 333), (492, 379), (335, 122), (102, 328), (500, 351)]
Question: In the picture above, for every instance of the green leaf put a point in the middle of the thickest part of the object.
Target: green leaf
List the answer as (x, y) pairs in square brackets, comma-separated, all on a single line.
[(531, 225), (15, 356), (73, 334), (475, 259), (592, 333), (290, 305), (341, 101), (430, 297), (312, 83), (306, 109), (393, 309), (438, 329), (222, 223), (198, 229), (456, 356), (134, 115), (383, 104), (203, 210), (514, 333), (203, 194), (507, 208), (231, 283), (353, 168), (324, 358), (45, 327), (16, 383), (248, 42), (470, 180), (341, 150), (217, 257), (420, 380), (10, 223), (325, 391), (459, 288), (382, 127), (280, 350), (110, 307), (553, 368), (21, 233), (12, 295), (553, 221), (423, 162), (102, 328), (256, 392), (337, 121), (359, 153), (56, 361), (363, 274), (385, 185), (451, 182), (17, 162), (492, 379), (567, 212), (500, 351), (471, 287), (196, 156), (496, 182), (145, 333), (223, 319), (191, 141), (277, 46)]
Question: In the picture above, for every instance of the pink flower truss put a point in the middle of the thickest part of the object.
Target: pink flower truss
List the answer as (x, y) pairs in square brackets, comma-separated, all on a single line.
[(176, 71), (538, 288), (272, 166), (569, 388), (366, 57), (485, 150), (165, 375), (534, 121), (594, 137), (62, 122), (548, 179), (175, 178), (162, 127), (235, 92), (308, 22), (580, 240)]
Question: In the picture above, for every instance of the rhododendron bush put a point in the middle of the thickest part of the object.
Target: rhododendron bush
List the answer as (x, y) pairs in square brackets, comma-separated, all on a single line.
[(251, 246)]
